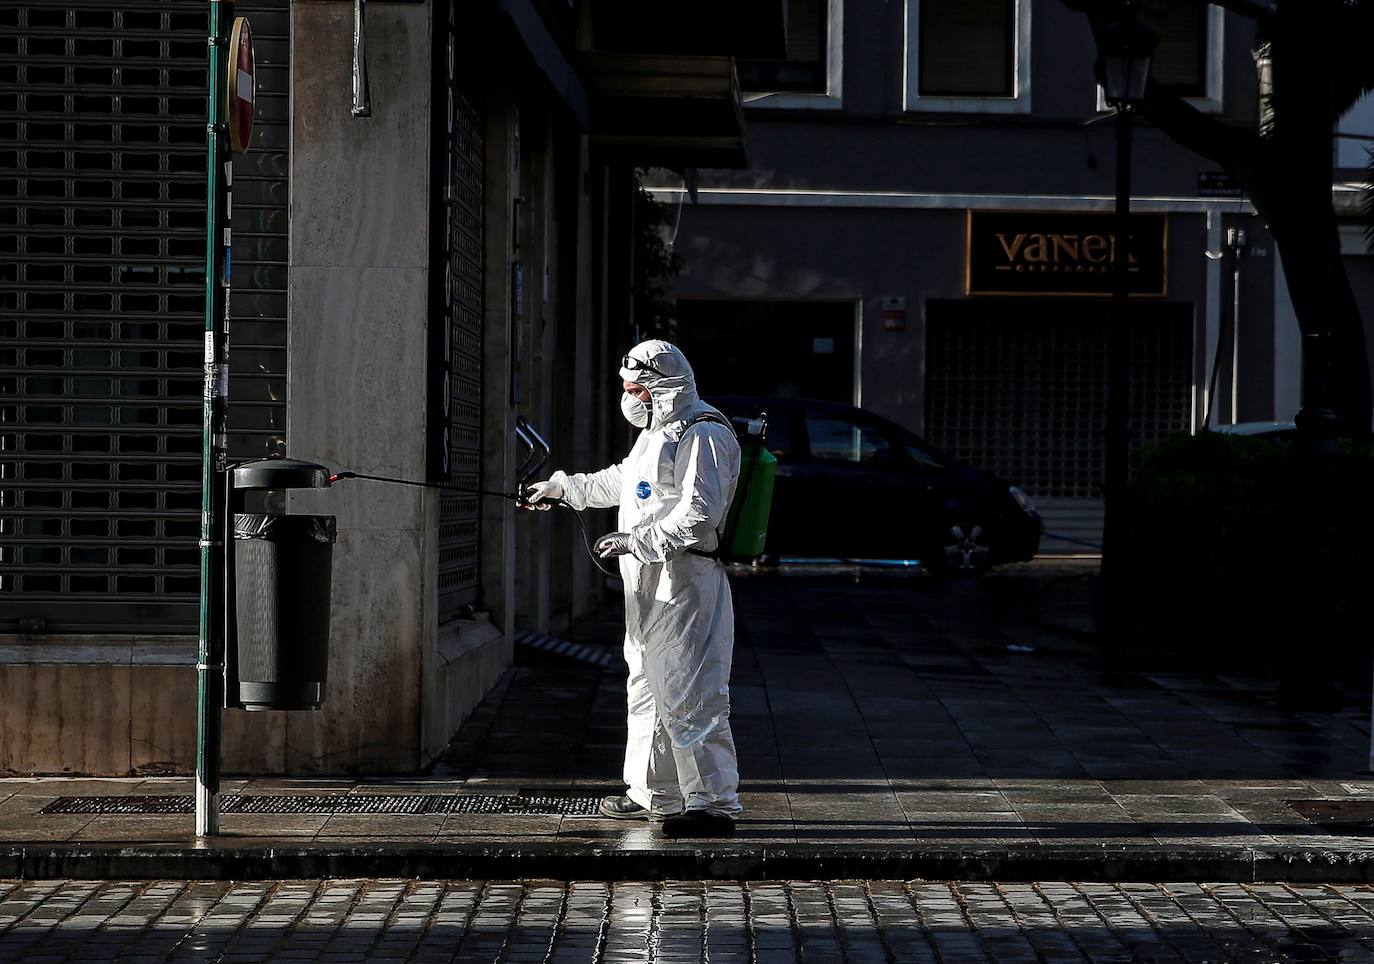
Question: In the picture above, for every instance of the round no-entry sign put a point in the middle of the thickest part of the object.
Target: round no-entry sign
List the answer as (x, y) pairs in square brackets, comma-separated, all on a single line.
[(242, 86)]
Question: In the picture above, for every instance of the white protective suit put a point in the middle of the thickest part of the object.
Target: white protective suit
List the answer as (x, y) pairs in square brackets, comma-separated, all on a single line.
[(673, 491)]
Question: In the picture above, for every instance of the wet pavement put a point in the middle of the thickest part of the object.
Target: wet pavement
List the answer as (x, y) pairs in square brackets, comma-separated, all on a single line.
[(855, 922), (873, 708), (878, 715)]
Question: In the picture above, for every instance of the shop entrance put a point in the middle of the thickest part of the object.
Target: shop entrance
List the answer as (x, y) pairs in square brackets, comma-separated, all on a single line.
[(1019, 389), (799, 349)]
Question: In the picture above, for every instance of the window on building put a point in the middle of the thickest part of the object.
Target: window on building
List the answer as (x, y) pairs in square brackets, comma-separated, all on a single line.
[(803, 70), (1180, 57), (968, 56), (967, 48)]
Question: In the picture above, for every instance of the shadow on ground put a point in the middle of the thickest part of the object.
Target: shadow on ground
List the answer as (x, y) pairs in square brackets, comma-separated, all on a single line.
[(884, 707)]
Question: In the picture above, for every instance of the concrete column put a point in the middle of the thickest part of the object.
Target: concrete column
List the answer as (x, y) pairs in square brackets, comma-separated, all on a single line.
[(588, 399), (498, 345), (532, 538), (1211, 323), (544, 347), (358, 306)]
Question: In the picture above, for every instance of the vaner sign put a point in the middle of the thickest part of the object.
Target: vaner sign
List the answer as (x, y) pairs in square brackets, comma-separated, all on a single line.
[(1063, 253)]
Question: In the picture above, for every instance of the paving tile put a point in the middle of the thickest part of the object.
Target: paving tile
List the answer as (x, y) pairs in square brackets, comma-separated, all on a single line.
[(180, 829), (20, 806), (960, 801), (480, 824), (924, 769), (383, 826), (272, 824)]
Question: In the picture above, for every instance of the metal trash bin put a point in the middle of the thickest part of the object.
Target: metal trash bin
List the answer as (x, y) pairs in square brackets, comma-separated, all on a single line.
[(282, 566)]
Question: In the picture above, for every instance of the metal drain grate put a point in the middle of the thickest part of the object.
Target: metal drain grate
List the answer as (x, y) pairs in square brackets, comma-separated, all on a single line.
[(1337, 816), (178, 803), (534, 805), (524, 804), (407, 803)]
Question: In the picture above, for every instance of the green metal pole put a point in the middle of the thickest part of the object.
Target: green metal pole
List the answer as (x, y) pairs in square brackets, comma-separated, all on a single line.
[(214, 442)]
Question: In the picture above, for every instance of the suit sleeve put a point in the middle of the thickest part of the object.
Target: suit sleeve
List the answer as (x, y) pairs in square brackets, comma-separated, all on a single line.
[(704, 473), (591, 490)]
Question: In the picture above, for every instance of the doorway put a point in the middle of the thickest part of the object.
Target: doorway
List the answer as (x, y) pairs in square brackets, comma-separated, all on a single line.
[(796, 349), (1019, 389)]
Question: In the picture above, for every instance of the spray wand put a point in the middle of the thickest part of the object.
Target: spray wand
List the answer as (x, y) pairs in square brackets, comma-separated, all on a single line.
[(535, 460)]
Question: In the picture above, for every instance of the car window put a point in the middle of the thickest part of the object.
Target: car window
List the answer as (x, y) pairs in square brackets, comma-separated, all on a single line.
[(778, 438), (919, 453), (840, 440)]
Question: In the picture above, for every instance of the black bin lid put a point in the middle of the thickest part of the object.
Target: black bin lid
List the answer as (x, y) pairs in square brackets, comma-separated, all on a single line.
[(280, 474)]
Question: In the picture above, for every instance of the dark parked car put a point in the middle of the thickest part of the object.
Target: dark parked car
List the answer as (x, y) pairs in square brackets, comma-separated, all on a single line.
[(1272, 430), (855, 486)]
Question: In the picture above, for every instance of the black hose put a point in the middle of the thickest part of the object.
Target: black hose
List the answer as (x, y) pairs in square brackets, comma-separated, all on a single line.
[(586, 538), (448, 486), (515, 497)]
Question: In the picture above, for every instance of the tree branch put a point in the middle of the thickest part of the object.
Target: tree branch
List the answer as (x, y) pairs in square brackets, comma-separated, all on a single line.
[(1218, 142)]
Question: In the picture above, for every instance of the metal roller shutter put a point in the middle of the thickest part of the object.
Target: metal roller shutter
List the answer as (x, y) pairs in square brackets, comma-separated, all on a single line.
[(102, 213), (1020, 390), (261, 211), (465, 199)]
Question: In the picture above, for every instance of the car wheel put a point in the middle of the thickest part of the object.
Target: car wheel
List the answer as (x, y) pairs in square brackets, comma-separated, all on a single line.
[(961, 549)]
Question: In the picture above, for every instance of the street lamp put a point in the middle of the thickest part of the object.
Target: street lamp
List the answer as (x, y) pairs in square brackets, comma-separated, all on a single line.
[(1123, 67), (1123, 63)]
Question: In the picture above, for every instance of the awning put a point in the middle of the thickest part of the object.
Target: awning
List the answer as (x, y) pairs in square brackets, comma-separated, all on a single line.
[(725, 28), (664, 110)]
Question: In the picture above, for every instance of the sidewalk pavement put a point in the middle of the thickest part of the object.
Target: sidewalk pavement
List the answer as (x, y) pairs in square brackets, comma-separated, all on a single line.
[(889, 726)]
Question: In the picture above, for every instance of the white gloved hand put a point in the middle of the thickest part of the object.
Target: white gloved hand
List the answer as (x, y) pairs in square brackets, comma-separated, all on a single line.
[(538, 492), (613, 544)]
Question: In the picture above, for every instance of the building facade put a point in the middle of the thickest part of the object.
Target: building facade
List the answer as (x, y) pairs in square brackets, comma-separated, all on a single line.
[(925, 230), (412, 274)]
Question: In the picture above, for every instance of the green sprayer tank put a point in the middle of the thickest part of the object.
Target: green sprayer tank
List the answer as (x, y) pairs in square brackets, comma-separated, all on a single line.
[(746, 524), (745, 532)]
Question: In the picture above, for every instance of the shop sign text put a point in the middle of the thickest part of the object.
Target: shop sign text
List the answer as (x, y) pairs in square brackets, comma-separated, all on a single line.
[(1062, 253)]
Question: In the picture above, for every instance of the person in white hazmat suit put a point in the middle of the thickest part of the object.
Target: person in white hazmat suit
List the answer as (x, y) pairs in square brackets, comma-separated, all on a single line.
[(673, 490)]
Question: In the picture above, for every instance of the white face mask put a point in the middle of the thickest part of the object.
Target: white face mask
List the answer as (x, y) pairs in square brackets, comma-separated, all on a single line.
[(635, 411)]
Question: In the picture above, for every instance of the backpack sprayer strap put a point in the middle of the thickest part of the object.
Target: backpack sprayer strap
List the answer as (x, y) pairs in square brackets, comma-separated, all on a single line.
[(720, 535)]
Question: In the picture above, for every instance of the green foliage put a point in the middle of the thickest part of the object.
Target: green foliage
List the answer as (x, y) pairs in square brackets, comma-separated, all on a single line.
[(1233, 543)]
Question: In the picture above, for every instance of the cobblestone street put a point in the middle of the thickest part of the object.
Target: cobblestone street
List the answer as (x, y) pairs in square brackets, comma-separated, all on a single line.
[(636, 923)]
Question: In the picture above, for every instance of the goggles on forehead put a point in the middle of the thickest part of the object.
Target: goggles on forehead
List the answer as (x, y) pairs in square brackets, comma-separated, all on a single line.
[(635, 365)]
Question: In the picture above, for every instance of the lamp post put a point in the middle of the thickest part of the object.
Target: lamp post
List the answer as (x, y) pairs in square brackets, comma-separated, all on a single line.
[(1123, 66)]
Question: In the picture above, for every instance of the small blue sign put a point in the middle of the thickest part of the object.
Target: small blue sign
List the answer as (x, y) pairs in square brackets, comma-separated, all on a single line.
[(642, 490)]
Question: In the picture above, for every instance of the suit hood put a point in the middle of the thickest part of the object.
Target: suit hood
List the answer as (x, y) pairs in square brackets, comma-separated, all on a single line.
[(670, 380)]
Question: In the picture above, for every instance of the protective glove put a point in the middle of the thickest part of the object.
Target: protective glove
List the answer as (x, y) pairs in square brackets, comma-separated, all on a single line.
[(613, 544), (540, 491)]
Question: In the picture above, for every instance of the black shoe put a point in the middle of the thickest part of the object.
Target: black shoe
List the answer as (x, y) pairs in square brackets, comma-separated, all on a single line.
[(622, 808), (698, 823)]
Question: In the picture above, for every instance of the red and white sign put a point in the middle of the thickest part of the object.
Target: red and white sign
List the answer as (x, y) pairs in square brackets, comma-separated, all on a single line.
[(894, 314), (242, 86)]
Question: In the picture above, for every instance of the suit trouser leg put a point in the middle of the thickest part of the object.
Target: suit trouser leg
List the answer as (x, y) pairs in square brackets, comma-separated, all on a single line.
[(650, 771), (708, 772)]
